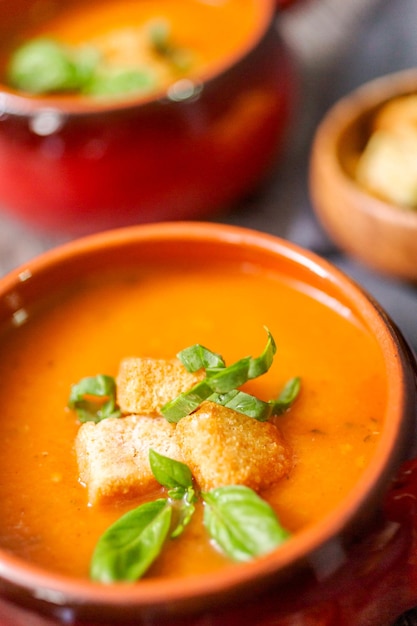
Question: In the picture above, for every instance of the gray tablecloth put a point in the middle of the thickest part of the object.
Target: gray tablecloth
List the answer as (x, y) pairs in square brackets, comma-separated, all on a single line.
[(337, 45)]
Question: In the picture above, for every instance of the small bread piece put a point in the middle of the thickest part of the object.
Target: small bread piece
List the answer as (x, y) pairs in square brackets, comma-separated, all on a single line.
[(224, 447), (398, 116), (388, 167), (144, 385), (113, 455)]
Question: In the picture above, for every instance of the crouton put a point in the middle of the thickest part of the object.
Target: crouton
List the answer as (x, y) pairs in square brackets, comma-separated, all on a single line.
[(224, 447), (113, 455), (144, 385)]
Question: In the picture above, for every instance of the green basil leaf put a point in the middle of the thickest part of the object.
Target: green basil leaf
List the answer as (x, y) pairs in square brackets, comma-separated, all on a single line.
[(40, 66), (224, 379), (183, 512), (170, 473), (243, 403), (262, 363), (118, 81), (160, 35), (286, 397), (221, 384), (86, 60), (241, 524), (44, 65), (127, 549), (160, 38), (197, 356), (186, 402), (94, 398)]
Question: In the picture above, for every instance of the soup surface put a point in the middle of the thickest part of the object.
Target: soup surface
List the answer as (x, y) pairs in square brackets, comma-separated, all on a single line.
[(195, 37), (333, 426)]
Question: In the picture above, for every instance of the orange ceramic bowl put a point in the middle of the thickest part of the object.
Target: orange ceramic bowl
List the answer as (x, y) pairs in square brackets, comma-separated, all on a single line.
[(357, 565), (73, 165)]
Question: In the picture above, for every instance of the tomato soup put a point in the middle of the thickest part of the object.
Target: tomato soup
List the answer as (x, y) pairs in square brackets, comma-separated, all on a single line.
[(201, 36), (333, 426)]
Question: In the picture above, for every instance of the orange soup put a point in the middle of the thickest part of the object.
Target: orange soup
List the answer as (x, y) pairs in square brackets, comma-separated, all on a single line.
[(166, 39), (332, 427)]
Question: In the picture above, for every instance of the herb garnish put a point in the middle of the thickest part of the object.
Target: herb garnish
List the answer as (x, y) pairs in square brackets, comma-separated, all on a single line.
[(221, 384), (240, 523), (94, 398), (44, 65)]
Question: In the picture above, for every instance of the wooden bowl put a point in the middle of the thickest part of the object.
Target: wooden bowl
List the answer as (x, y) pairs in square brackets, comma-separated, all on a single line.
[(77, 165), (347, 567), (377, 232)]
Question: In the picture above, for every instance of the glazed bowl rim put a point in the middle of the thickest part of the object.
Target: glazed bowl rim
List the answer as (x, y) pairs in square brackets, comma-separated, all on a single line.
[(346, 112), (13, 102), (62, 590)]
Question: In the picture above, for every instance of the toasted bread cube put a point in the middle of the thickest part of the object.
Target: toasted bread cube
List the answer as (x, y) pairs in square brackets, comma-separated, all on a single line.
[(144, 385), (113, 455), (224, 447), (388, 167)]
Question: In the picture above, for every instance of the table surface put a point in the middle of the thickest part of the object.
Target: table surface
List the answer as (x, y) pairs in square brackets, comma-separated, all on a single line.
[(337, 45)]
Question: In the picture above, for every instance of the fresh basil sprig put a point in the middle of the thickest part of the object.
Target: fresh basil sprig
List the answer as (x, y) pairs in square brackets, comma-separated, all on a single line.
[(221, 384), (127, 549), (197, 357), (172, 474), (256, 408), (287, 396), (94, 398), (241, 524), (44, 65)]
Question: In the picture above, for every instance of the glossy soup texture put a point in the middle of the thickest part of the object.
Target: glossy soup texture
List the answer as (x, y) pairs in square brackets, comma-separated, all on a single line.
[(209, 32), (333, 427)]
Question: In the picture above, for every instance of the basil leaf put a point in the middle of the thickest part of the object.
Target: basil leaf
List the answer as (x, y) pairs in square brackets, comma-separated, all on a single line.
[(197, 356), (224, 379), (127, 549), (160, 39), (286, 397), (177, 477), (41, 65), (160, 36), (242, 524), (94, 398), (186, 402), (184, 512), (117, 81), (44, 65), (262, 363), (170, 473), (243, 403)]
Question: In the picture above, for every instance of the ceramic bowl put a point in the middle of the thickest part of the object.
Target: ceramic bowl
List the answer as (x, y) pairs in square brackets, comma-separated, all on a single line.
[(74, 166), (378, 232), (356, 566)]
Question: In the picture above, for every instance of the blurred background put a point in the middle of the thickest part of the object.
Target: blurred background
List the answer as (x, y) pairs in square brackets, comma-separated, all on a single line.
[(336, 46)]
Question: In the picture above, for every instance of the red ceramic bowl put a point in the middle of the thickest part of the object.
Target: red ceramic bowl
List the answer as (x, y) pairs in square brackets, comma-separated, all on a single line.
[(75, 166), (356, 566)]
